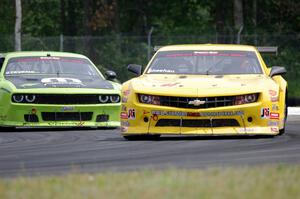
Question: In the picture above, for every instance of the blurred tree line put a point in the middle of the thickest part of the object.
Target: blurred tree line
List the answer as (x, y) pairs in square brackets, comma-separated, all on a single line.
[(135, 17), (113, 33)]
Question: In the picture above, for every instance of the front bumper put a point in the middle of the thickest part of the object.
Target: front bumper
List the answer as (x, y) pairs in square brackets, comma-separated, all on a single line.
[(244, 119), (37, 115)]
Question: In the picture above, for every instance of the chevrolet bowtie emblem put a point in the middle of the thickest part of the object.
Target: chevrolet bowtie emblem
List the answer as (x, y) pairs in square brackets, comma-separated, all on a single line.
[(196, 102)]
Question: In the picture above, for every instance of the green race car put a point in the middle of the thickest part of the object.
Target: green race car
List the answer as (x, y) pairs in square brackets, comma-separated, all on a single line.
[(55, 89)]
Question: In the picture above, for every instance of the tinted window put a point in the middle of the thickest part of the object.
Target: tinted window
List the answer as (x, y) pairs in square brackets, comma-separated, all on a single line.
[(205, 62), (60, 66)]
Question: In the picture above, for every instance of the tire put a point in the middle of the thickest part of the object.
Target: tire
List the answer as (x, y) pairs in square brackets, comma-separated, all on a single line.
[(141, 137), (7, 129), (282, 131)]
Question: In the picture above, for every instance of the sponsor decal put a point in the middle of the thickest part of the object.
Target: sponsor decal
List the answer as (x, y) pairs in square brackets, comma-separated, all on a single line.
[(196, 102), (170, 84), (61, 123), (145, 112), (126, 92), (124, 128), (275, 107), (125, 123), (275, 99), (20, 72), (202, 114), (81, 123), (61, 80), (3, 117), (272, 93), (67, 108), (206, 52), (273, 96), (161, 71), (272, 123), (49, 58), (169, 113), (225, 113), (124, 115), (274, 129), (191, 114), (274, 116), (155, 117), (124, 99), (123, 108), (131, 114), (247, 130), (265, 113)]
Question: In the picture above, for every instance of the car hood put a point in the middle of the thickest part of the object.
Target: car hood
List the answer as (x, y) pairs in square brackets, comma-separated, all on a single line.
[(30, 82), (202, 85)]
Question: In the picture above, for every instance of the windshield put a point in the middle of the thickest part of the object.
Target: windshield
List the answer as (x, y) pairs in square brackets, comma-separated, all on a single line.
[(51, 66), (205, 63)]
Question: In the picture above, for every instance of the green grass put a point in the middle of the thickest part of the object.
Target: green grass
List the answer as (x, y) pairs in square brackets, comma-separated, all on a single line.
[(246, 182)]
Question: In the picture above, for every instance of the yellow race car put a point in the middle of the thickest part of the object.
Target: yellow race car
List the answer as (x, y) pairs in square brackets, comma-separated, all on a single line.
[(204, 90)]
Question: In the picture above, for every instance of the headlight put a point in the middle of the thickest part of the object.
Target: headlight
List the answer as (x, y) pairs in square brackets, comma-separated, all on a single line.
[(245, 99), (103, 98), (30, 98), (149, 99), (114, 98), (18, 98)]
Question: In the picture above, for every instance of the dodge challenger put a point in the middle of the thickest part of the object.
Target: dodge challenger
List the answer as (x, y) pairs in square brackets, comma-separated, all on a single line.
[(55, 89)]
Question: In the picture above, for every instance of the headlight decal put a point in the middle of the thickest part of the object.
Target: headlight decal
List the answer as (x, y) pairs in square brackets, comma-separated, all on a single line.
[(18, 98), (149, 99), (109, 98), (30, 98), (245, 99), (114, 98), (103, 98)]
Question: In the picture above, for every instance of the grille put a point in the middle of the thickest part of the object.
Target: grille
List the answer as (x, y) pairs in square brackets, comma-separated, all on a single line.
[(31, 118), (67, 99), (67, 116), (183, 102), (198, 123)]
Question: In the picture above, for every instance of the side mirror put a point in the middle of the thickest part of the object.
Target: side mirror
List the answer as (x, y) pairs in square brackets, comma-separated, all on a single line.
[(277, 70), (1, 61), (110, 75), (134, 68)]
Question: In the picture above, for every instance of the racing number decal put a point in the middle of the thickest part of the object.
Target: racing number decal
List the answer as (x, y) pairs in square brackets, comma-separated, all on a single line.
[(131, 114)]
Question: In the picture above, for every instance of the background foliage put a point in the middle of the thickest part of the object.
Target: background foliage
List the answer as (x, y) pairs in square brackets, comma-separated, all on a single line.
[(113, 33)]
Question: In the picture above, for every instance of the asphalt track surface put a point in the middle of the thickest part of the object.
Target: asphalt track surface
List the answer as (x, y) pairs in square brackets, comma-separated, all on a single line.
[(59, 151)]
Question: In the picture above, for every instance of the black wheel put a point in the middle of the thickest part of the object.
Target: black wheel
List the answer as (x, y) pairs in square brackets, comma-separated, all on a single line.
[(7, 129), (282, 131), (141, 137)]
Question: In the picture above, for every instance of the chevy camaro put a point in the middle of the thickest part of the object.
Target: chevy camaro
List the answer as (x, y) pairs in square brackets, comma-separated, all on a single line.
[(204, 90), (54, 89)]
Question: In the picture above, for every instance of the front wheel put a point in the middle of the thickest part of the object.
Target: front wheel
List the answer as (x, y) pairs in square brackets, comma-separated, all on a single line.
[(7, 129), (282, 131)]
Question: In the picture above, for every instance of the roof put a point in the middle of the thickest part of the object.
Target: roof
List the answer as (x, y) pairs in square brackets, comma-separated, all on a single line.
[(42, 53), (208, 47)]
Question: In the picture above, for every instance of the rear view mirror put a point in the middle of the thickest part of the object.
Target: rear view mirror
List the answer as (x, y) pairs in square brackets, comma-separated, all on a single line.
[(134, 68), (111, 75), (277, 70)]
